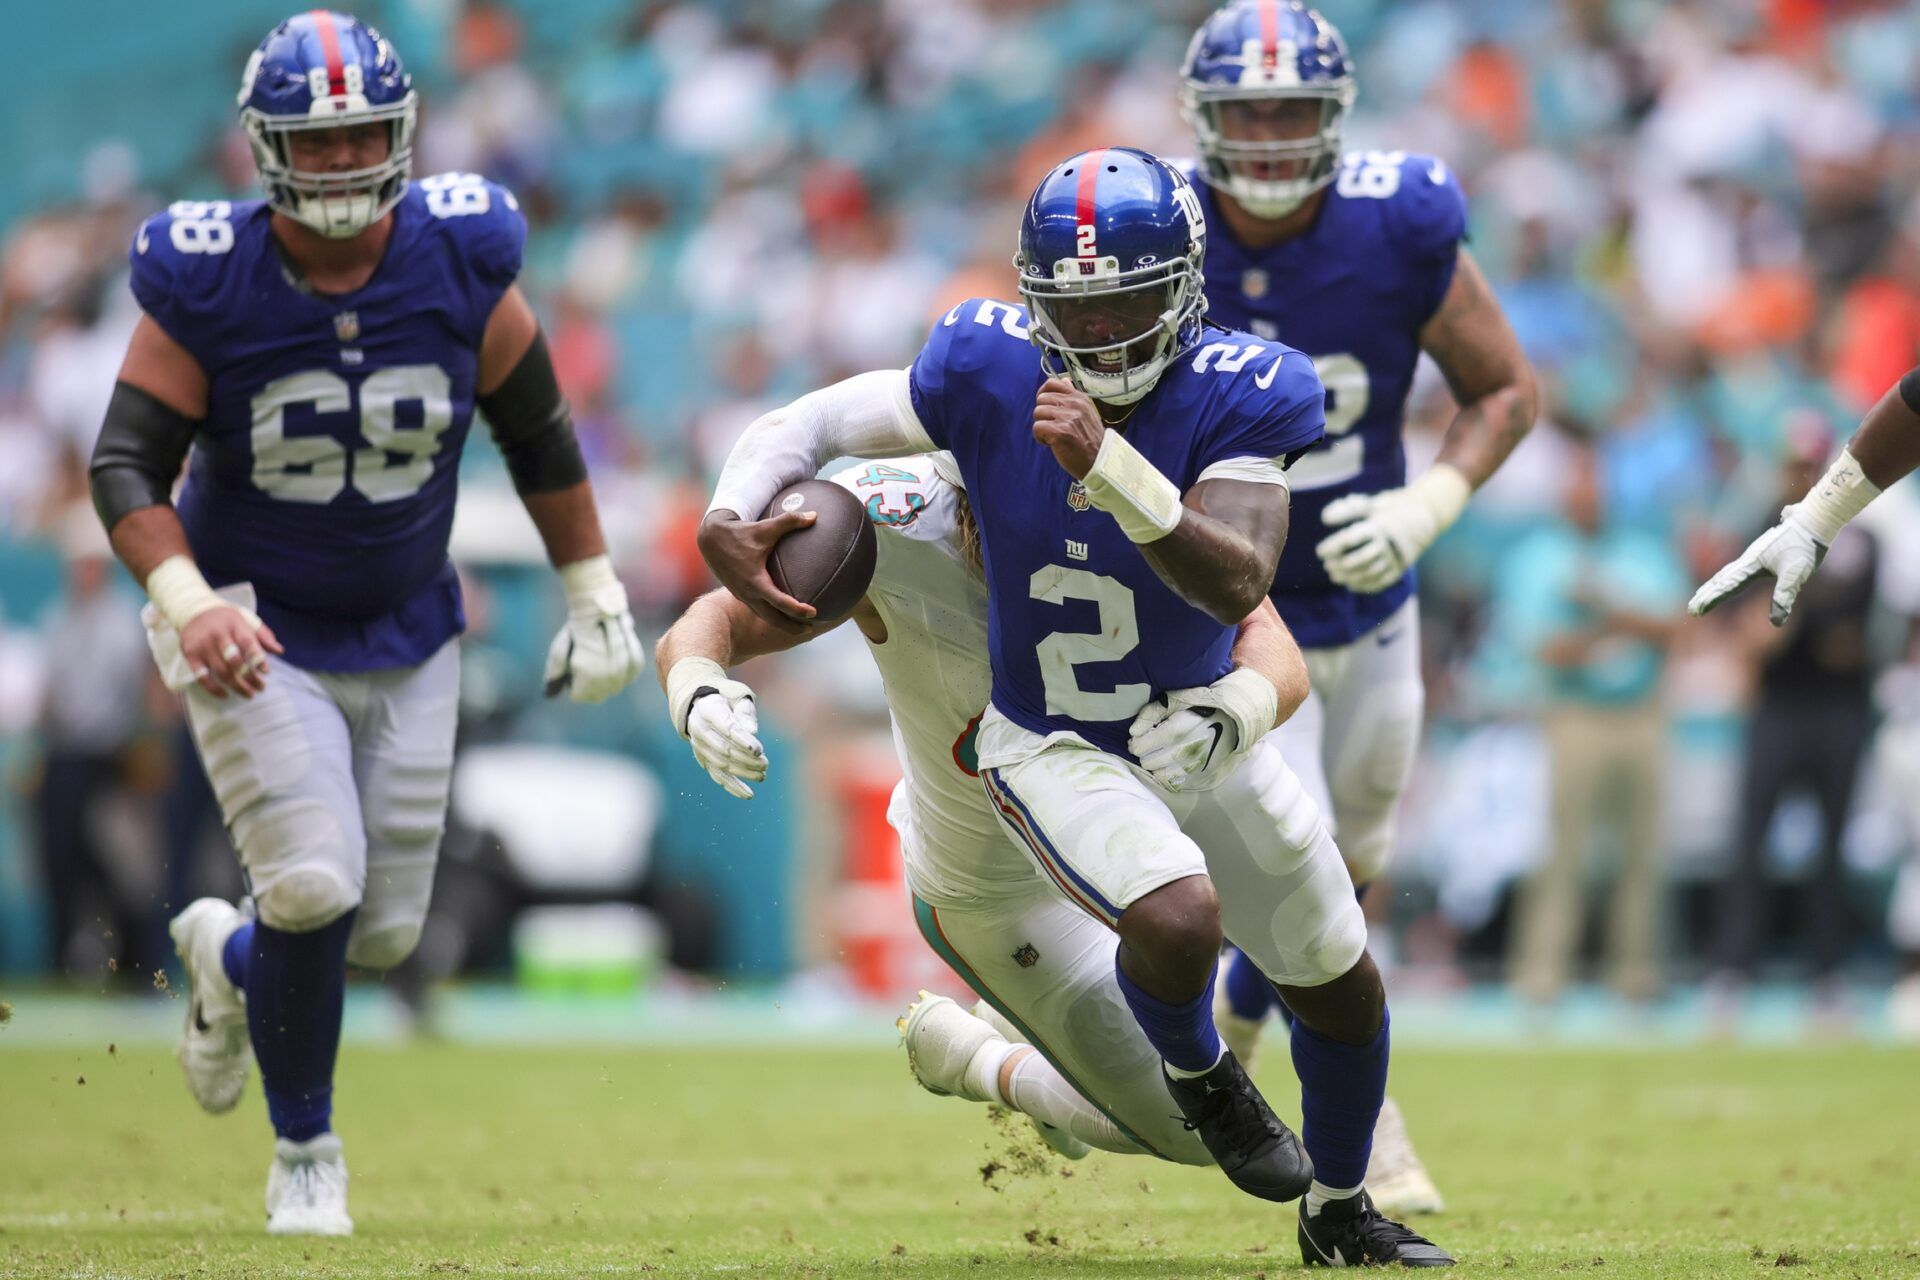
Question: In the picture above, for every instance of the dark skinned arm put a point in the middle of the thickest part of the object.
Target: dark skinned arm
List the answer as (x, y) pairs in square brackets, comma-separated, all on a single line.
[(1475, 347)]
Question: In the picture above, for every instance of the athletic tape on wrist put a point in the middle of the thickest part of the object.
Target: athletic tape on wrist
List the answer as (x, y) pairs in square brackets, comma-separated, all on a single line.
[(1837, 497), (592, 587), (181, 594), (1443, 491), (1122, 483), (687, 679)]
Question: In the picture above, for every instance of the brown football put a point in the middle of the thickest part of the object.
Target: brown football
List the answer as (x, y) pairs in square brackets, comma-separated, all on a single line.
[(828, 564)]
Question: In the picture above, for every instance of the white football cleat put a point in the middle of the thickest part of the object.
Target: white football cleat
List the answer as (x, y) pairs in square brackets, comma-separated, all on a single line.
[(941, 1040), (1242, 1035), (307, 1188), (214, 1050), (1396, 1178), (1053, 1135)]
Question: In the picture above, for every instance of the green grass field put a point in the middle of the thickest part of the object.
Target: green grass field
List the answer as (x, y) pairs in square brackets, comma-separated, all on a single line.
[(830, 1162)]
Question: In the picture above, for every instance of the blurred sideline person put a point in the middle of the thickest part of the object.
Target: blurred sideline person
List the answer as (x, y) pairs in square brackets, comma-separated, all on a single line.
[(1810, 725), (88, 724), (1595, 605), (1043, 968), (1358, 260), (322, 353)]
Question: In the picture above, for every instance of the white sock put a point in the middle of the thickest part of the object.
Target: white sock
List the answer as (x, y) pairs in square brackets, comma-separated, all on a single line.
[(982, 1079), (1179, 1074), (1318, 1194), (1040, 1091)]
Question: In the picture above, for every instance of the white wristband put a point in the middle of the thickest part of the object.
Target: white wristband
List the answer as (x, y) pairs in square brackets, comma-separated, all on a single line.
[(1122, 483), (181, 594), (1249, 700), (685, 679), (1835, 498), (593, 589), (1444, 492)]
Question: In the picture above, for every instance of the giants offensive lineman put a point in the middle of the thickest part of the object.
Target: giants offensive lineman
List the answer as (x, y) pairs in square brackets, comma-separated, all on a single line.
[(322, 352), (1358, 261), (1129, 480)]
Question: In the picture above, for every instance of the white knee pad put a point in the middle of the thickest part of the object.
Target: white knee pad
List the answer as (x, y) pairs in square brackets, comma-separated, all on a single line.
[(305, 866), (382, 945), (305, 897)]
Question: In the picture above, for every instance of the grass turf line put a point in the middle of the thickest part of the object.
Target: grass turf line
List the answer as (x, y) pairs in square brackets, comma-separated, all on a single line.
[(830, 1162)]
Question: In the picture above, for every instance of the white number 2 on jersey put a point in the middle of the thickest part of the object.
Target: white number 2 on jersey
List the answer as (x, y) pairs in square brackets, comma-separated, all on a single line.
[(1342, 456), (1061, 651), (314, 468)]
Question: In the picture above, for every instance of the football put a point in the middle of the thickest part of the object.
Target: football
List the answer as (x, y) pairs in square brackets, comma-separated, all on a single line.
[(829, 564)]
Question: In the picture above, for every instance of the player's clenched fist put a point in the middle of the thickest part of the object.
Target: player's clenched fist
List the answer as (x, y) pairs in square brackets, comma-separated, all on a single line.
[(1066, 421), (226, 648)]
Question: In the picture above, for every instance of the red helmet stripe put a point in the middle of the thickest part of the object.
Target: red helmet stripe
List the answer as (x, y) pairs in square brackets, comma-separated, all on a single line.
[(330, 46), (1083, 194), (1270, 32)]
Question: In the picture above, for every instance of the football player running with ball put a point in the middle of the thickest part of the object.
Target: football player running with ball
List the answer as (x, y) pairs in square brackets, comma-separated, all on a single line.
[(322, 353), (1357, 261), (1129, 481)]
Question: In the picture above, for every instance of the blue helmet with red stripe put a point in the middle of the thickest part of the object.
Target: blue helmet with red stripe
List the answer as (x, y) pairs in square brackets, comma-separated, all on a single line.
[(325, 70), (1266, 86), (1110, 259)]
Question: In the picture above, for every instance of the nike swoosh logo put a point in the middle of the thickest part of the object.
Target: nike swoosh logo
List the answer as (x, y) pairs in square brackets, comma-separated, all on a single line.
[(1265, 380), (199, 1019), (1332, 1259), (1387, 639), (1437, 173), (140, 244), (1218, 730)]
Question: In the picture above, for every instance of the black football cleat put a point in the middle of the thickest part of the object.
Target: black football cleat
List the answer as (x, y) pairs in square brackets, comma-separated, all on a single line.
[(1352, 1233), (1253, 1148)]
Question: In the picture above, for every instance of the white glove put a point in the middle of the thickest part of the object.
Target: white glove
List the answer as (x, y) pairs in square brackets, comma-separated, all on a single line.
[(1387, 531), (1194, 739), (1793, 549), (1789, 551), (716, 714), (597, 652)]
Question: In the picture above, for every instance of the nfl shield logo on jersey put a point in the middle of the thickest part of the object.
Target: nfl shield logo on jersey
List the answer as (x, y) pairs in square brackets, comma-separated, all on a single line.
[(1077, 496), (346, 325), (1254, 283), (1026, 957)]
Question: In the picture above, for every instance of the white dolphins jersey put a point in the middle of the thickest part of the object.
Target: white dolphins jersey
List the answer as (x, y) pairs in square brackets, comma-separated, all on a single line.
[(934, 667)]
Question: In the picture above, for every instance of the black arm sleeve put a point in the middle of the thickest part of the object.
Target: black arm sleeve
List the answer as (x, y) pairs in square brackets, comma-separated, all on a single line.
[(532, 426), (1910, 389), (138, 456)]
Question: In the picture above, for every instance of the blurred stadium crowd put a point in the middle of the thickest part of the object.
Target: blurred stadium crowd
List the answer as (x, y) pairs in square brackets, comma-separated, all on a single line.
[(1700, 217)]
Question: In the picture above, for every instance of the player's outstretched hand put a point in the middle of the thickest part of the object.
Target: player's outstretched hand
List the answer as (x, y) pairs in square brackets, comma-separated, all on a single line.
[(597, 652), (1788, 551), (1066, 420), (737, 550), (724, 729), (226, 648)]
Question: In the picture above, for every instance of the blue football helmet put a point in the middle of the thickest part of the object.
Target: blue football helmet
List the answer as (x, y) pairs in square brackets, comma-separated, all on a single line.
[(1110, 259), (1267, 51), (325, 70)]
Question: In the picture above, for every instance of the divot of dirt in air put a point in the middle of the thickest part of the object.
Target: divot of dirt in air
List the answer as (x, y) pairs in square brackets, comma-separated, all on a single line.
[(6, 1012)]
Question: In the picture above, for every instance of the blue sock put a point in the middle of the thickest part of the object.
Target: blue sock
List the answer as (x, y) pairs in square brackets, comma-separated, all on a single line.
[(233, 956), (1341, 1089), (1249, 994), (296, 989), (1183, 1033)]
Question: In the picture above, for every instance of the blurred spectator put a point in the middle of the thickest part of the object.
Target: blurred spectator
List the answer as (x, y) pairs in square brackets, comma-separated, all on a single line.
[(1809, 726), (1595, 605), (89, 721)]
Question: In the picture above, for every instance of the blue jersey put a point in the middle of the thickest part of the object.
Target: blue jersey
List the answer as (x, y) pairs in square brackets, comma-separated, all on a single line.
[(324, 472), (1081, 631), (1353, 292)]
